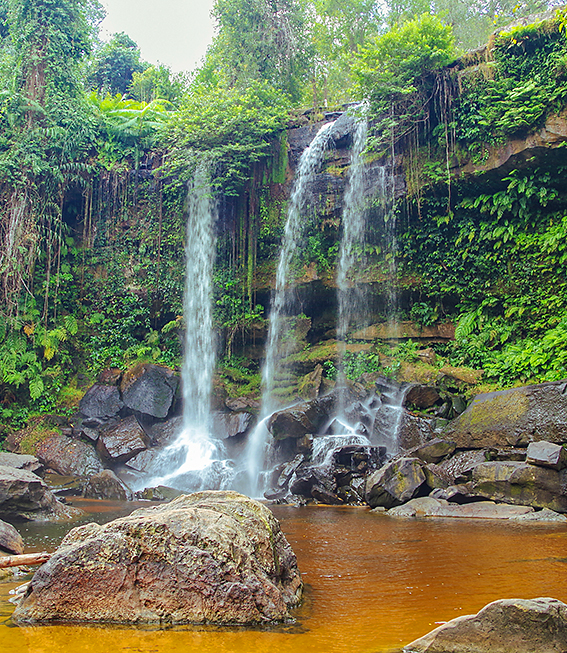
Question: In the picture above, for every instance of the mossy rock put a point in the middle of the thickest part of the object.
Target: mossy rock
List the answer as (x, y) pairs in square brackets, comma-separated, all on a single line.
[(513, 418)]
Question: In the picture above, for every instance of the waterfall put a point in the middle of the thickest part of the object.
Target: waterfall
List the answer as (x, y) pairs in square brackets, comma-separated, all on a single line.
[(278, 346), (349, 292), (194, 460)]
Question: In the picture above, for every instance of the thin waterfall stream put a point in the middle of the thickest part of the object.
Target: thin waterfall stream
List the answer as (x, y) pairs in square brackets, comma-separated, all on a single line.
[(279, 343), (350, 296), (195, 460)]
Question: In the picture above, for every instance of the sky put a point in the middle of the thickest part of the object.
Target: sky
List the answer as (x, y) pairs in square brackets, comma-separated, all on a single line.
[(172, 32)]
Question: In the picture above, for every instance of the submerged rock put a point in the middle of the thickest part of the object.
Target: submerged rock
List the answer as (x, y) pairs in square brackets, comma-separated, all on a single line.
[(25, 497), (210, 557), (434, 507), (505, 626)]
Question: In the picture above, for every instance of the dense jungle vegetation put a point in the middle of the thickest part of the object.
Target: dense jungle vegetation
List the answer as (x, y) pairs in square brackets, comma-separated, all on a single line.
[(97, 146)]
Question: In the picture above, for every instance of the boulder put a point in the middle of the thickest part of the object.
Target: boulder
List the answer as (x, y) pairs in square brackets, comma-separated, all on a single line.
[(10, 540), (162, 433), (395, 483), (422, 396), (505, 626), (435, 450), (21, 461), (435, 477), (414, 431), (160, 493), (123, 441), (106, 485), (420, 507), (513, 418), (521, 484), (303, 418), (310, 385), (210, 557), (149, 389), (242, 403), (101, 401), (455, 493), (69, 457), (230, 425), (144, 461), (459, 467), (547, 454), (25, 497)]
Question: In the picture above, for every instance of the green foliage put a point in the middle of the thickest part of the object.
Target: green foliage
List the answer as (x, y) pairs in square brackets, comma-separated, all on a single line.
[(115, 64), (156, 83), (392, 73), (523, 85), (127, 127), (233, 129), (394, 63), (260, 41)]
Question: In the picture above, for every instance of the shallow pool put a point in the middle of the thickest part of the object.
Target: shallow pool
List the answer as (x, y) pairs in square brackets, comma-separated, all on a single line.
[(373, 584)]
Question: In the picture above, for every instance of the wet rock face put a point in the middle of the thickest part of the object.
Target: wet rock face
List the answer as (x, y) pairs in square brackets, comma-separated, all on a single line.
[(506, 626), (297, 421), (210, 557), (123, 441), (513, 417)]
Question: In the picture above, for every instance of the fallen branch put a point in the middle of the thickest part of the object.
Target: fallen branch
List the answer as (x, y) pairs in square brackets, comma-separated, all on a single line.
[(25, 559)]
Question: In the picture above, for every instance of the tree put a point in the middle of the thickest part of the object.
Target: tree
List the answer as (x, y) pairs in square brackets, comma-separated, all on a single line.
[(114, 65), (156, 83), (261, 40), (392, 74), (338, 29), (46, 126), (472, 20)]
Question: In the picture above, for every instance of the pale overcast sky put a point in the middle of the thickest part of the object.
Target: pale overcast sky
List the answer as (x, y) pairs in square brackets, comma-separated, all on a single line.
[(172, 32)]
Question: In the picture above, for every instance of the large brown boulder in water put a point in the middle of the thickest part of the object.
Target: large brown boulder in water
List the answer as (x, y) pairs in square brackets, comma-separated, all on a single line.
[(209, 557), (505, 626)]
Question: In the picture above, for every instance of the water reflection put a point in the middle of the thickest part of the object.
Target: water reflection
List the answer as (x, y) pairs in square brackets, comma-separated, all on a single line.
[(373, 584)]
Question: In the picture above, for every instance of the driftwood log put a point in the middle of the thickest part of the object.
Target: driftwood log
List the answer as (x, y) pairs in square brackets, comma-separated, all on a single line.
[(25, 559)]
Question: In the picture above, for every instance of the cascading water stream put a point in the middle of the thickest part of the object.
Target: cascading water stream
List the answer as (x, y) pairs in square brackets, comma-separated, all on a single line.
[(277, 346), (349, 293), (194, 459)]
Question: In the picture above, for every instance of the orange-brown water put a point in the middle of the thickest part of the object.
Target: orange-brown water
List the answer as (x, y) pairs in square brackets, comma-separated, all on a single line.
[(373, 584)]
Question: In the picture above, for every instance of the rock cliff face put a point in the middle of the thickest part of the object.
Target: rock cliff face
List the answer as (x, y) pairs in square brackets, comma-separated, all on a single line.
[(210, 557)]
